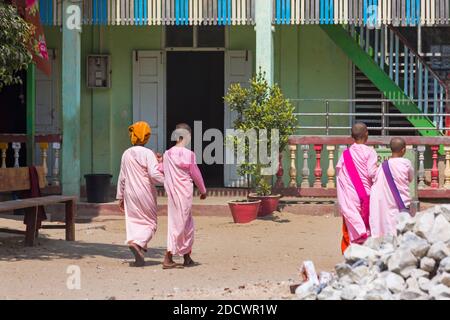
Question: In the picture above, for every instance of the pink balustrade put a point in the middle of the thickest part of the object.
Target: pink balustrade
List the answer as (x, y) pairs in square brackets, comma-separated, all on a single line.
[(432, 182)]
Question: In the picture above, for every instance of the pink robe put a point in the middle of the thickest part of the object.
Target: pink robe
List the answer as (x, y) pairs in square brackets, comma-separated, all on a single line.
[(136, 186), (383, 208), (365, 159), (180, 170)]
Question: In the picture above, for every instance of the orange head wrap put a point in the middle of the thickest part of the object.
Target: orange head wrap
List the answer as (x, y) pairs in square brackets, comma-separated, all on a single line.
[(139, 133)]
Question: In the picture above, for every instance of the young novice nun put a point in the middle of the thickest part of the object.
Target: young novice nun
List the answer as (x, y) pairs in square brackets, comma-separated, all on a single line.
[(356, 170), (181, 170), (390, 191), (136, 190)]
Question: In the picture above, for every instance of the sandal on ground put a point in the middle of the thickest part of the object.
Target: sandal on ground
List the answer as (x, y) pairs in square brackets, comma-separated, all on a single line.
[(173, 265)]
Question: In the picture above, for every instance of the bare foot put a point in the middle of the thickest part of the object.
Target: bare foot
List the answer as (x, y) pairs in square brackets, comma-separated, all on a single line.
[(138, 253)]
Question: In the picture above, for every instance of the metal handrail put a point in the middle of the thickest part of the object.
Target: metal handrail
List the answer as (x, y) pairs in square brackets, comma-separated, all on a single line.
[(419, 57), (383, 115), (371, 114), (359, 100), (374, 128)]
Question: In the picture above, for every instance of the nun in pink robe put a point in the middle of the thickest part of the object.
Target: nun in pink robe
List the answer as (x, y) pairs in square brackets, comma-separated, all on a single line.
[(365, 160), (136, 190), (383, 207), (181, 171)]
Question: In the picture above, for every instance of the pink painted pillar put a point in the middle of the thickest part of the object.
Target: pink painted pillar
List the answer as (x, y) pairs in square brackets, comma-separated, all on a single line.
[(318, 169), (279, 183), (434, 169)]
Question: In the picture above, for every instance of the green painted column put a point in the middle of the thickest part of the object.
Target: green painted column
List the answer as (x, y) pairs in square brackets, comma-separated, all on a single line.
[(71, 79), (31, 112), (264, 38)]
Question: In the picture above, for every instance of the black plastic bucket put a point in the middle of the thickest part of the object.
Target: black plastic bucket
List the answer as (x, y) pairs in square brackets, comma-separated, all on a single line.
[(97, 187)]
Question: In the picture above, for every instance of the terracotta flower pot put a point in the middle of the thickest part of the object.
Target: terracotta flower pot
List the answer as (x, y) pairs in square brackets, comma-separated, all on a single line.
[(244, 211), (269, 204)]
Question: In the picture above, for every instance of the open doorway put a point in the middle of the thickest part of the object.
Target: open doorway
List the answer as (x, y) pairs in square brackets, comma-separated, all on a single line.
[(13, 106), (195, 90)]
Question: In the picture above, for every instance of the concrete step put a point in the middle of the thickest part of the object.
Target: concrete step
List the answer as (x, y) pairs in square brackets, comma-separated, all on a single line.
[(212, 206)]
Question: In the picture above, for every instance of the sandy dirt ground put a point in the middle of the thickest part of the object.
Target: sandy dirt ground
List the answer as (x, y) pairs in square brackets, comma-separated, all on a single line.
[(259, 260)]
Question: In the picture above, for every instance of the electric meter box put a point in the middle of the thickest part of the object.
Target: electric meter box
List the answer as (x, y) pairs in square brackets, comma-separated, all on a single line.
[(98, 71)]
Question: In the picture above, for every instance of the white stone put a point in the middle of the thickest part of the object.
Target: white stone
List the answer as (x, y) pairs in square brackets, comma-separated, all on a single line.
[(338, 285), (307, 296), (418, 273), (350, 292), (438, 251), (378, 291), (424, 223), (406, 272), (394, 282), (418, 246), (424, 284), (304, 289), (436, 280), (373, 243), (445, 211), (446, 279), (445, 265), (404, 222), (427, 264), (387, 248), (434, 210), (412, 284), (343, 269), (357, 252), (359, 273), (440, 231), (346, 280), (401, 259), (440, 292), (329, 293), (378, 295), (411, 295)]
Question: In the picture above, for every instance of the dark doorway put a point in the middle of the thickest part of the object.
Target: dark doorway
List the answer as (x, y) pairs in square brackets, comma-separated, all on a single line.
[(13, 116), (195, 90)]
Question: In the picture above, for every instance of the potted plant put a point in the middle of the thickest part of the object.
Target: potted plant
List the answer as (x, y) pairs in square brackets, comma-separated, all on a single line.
[(261, 108)]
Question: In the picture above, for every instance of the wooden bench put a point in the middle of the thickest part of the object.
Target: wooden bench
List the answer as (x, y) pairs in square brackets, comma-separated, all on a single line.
[(17, 179)]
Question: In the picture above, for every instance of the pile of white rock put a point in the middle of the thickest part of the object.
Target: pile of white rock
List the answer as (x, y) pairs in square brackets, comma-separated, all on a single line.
[(413, 265)]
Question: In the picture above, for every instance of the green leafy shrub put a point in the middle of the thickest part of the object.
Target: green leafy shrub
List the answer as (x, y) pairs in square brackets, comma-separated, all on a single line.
[(15, 36), (260, 107)]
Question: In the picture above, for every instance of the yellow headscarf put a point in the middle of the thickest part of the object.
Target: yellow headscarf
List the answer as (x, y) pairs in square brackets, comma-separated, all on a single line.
[(139, 132)]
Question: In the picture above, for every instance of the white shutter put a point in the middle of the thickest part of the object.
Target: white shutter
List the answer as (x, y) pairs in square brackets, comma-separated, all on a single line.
[(48, 109), (238, 69), (148, 94)]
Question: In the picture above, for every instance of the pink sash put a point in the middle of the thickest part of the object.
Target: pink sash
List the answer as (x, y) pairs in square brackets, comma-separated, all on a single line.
[(360, 190)]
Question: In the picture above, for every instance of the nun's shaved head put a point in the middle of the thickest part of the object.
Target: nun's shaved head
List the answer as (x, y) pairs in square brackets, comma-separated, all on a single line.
[(397, 144), (359, 131)]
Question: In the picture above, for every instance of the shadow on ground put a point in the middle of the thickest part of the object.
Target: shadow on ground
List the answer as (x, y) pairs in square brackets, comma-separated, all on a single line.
[(12, 249), (274, 218)]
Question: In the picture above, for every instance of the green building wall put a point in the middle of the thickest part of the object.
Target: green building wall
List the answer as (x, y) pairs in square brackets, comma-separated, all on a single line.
[(307, 66), (310, 66)]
